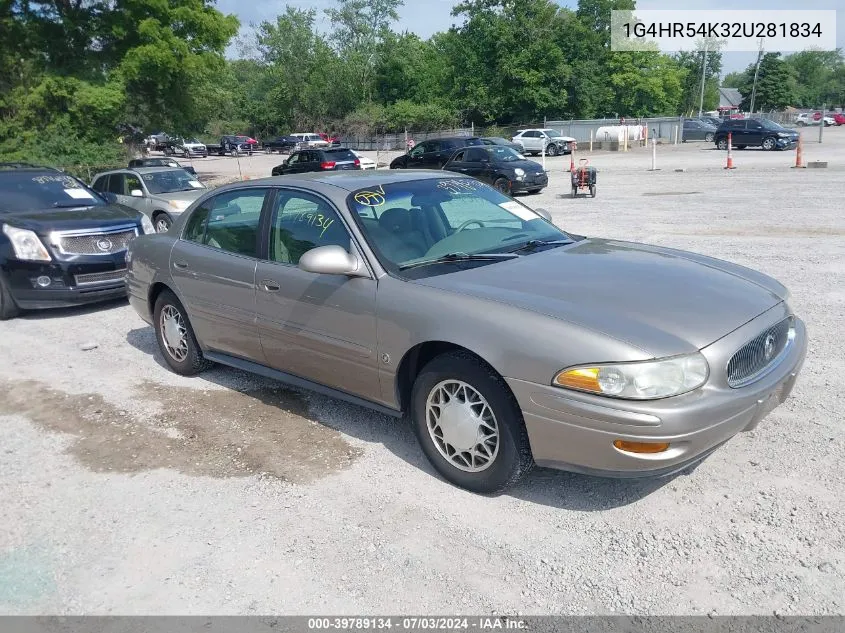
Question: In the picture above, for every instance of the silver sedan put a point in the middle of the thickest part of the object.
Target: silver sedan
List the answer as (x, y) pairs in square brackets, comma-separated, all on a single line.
[(505, 340)]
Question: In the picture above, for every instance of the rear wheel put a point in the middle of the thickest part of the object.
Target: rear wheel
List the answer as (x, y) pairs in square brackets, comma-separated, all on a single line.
[(709, 137), (722, 144), (175, 336), (8, 307), (469, 424)]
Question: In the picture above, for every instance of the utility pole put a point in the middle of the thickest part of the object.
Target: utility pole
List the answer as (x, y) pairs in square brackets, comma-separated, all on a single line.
[(703, 78), (756, 72), (821, 123)]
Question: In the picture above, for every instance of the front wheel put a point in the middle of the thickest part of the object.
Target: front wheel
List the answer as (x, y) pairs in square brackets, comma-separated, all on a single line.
[(175, 336), (469, 424), (709, 137), (769, 144), (551, 150), (502, 185), (162, 222)]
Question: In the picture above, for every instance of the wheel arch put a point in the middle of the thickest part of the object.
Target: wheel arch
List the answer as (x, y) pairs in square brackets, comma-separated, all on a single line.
[(416, 358)]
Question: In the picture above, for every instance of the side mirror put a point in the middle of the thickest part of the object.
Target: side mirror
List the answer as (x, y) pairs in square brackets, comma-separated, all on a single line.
[(332, 260), (136, 193), (543, 213)]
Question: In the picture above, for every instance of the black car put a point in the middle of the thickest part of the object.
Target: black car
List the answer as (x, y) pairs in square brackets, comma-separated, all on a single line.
[(329, 159), (159, 162), (501, 167), (433, 153), (498, 140), (281, 144), (698, 130), (61, 243), (755, 133), (234, 145)]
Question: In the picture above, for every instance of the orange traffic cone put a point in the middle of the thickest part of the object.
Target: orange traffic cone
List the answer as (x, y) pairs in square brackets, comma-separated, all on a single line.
[(799, 155), (572, 161), (730, 164)]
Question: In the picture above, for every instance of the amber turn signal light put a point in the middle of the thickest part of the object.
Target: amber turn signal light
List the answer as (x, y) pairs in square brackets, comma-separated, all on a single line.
[(641, 447)]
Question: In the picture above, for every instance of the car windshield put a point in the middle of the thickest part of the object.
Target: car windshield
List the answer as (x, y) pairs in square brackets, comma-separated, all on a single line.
[(171, 181), (194, 141), (503, 154), (31, 191), (414, 222)]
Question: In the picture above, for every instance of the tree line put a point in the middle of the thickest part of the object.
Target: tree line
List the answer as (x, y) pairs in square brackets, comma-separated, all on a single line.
[(77, 74)]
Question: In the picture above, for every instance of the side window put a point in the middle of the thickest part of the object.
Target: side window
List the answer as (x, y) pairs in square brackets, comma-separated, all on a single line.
[(476, 155), (302, 222), (293, 160), (195, 227), (116, 184), (459, 157), (132, 182), (233, 220), (419, 150), (101, 184), (433, 146), (755, 125)]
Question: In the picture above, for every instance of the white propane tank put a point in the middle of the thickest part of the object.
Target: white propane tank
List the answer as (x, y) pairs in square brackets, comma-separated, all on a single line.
[(610, 133)]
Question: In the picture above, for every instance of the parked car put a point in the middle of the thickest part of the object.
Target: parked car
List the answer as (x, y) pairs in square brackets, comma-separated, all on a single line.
[(433, 153), (333, 141), (697, 130), (309, 140), (535, 140), (813, 118), (160, 162), (712, 120), (502, 167), (61, 243), (366, 163), (281, 144), (839, 118), (188, 149), (160, 193), (503, 142), (506, 340), (234, 145), (328, 159), (755, 133)]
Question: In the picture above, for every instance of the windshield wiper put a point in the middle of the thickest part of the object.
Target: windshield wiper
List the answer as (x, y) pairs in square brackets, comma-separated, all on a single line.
[(532, 244), (71, 205), (461, 257)]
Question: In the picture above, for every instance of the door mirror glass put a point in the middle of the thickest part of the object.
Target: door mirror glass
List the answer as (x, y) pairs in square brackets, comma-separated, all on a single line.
[(331, 260), (136, 193), (544, 213)]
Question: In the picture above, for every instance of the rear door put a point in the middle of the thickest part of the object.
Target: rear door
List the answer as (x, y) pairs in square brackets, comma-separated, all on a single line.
[(213, 267)]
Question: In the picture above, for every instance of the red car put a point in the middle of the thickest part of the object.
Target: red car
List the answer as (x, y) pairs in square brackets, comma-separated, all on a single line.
[(331, 140), (839, 118)]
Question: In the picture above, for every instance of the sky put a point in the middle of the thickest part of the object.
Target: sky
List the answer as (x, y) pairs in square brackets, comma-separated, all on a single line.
[(426, 17)]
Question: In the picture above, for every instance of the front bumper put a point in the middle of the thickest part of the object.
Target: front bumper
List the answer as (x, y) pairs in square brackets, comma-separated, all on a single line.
[(575, 431), (530, 182), (85, 280), (787, 143)]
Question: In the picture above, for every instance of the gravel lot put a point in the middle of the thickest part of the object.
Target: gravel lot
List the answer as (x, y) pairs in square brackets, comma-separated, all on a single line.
[(130, 490)]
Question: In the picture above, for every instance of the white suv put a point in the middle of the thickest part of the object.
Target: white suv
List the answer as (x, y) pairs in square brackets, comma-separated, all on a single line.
[(309, 140), (813, 118), (553, 141)]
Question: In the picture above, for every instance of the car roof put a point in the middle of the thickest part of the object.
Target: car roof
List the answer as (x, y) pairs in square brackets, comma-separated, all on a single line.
[(348, 181), (137, 170), (9, 166)]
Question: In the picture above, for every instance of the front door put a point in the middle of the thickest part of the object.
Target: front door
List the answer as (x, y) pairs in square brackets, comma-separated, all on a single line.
[(318, 327), (477, 163), (753, 133), (213, 266)]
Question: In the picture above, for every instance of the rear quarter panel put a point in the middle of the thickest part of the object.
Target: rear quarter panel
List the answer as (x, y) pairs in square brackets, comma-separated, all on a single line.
[(148, 263)]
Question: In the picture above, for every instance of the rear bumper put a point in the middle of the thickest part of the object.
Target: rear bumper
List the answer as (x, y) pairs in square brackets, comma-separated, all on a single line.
[(576, 432), (68, 285)]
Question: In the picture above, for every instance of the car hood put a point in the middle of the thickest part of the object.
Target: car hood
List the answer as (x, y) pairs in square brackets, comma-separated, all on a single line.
[(194, 144), (188, 196), (568, 139), (663, 301), (43, 221), (530, 166)]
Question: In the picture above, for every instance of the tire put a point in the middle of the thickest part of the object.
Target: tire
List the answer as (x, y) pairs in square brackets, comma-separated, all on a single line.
[(592, 191), (187, 360), (502, 185), (551, 150), (162, 222), (8, 308), (168, 151), (769, 144), (709, 137), (722, 143), (800, 124), (474, 381)]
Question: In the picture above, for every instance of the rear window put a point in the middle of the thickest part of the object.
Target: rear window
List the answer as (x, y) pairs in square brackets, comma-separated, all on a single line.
[(339, 154)]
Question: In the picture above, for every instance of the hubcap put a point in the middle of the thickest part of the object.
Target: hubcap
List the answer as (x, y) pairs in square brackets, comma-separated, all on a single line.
[(174, 334), (462, 426), (162, 225)]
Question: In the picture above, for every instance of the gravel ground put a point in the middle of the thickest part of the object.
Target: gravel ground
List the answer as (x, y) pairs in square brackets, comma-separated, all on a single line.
[(130, 490)]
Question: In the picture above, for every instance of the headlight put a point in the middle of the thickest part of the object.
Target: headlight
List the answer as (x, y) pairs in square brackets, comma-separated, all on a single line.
[(181, 205), (783, 134), (649, 380), (147, 225), (26, 244), (519, 171)]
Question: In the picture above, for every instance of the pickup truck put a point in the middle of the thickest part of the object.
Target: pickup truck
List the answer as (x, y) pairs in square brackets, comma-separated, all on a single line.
[(234, 145), (280, 144)]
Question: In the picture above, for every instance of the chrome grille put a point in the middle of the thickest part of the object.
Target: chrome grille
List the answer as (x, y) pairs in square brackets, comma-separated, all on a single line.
[(755, 357), (98, 278), (99, 243)]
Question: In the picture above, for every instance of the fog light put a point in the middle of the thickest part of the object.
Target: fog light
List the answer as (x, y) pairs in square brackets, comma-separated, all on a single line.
[(43, 281), (641, 447)]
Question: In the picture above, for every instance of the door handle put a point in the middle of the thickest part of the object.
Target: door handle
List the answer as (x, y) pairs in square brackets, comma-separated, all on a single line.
[(268, 285), (180, 265)]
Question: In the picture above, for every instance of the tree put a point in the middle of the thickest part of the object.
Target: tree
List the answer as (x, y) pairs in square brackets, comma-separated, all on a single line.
[(691, 62), (818, 77), (775, 85)]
